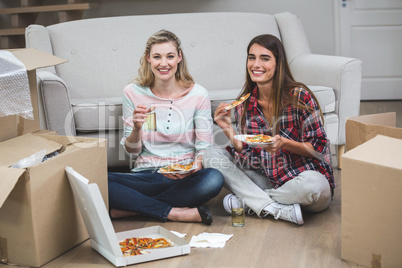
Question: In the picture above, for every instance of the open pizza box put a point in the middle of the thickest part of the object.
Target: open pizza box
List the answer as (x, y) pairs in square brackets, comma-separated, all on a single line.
[(102, 235)]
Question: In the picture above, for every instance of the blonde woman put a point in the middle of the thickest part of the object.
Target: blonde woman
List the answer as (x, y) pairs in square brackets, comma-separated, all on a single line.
[(183, 133)]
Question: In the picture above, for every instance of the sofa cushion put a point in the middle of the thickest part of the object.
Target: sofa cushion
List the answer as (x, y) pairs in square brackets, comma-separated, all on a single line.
[(92, 115), (325, 97)]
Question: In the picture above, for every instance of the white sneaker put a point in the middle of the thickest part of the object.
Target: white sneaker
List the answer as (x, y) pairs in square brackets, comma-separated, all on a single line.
[(228, 208), (290, 213)]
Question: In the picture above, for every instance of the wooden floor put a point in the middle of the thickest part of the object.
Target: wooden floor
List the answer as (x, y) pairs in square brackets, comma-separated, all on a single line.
[(260, 243)]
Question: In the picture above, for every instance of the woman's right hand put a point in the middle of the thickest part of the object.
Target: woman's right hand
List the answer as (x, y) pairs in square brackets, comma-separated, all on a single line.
[(139, 115), (222, 117)]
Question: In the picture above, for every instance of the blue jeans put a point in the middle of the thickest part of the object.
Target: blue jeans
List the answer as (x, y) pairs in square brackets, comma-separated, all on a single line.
[(152, 194)]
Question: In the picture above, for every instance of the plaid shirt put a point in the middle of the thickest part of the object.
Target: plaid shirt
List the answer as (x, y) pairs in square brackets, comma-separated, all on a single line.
[(295, 124)]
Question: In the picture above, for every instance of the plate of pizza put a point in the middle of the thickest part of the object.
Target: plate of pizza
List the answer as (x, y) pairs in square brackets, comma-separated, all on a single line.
[(256, 140), (139, 245), (237, 102), (178, 168)]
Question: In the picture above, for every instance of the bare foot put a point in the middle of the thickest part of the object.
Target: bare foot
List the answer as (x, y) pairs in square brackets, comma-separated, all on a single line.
[(115, 214), (184, 214)]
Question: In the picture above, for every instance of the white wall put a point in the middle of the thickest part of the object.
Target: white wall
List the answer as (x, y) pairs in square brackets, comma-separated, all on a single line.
[(316, 15)]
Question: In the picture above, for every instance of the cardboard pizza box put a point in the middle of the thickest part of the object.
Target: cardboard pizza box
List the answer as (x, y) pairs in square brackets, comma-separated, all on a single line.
[(371, 203), (39, 219), (102, 235)]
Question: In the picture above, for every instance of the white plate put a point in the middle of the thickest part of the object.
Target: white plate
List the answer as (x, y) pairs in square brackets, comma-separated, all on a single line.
[(184, 162), (243, 139)]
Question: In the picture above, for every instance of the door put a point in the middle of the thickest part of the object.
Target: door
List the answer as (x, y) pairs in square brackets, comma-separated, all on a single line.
[(371, 30)]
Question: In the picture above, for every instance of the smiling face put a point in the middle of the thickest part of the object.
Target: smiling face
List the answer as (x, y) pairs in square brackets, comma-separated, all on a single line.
[(164, 59), (261, 65)]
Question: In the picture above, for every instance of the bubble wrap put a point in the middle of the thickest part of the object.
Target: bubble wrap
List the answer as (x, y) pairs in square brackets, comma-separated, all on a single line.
[(15, 97)]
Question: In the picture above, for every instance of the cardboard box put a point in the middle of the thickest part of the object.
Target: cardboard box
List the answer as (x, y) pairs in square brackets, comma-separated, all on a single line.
[(372, 203), (100, 228), (39, 219), (360, 129)]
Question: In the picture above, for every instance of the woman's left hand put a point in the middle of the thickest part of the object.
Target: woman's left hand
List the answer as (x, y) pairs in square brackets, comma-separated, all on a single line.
[(278, 143), (177, 176)]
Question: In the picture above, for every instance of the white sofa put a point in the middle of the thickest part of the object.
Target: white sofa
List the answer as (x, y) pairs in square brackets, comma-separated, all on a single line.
[(83, 96)]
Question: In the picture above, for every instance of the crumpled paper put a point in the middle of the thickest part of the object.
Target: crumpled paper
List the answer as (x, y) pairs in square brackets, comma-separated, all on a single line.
[(30, 161), (211, 240), (178, 234)]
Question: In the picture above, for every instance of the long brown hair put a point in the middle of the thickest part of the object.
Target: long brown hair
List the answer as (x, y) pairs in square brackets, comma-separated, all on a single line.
[(145, 74), (283, 81)]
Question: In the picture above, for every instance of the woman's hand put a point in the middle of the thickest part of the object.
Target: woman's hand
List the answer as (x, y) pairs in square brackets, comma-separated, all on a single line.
[(176, 176), (222, 117), (133, 142), (278, 143), (139, 115), (197, 163), (224, 121), (300, 148)]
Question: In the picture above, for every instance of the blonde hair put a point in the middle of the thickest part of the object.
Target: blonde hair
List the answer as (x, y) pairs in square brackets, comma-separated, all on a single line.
[(145, 74)]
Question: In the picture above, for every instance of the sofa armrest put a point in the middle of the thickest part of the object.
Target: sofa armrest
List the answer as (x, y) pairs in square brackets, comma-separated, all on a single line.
[(57, 112), (342, 74), (37, 36)]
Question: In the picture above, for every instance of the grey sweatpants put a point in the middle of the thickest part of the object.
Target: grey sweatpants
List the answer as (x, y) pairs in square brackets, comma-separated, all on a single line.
[(310, 189)]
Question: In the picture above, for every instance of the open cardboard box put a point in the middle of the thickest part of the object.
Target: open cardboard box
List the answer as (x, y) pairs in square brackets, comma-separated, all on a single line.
[(101, 231), (371, 192), (360, 129), (39, 219)]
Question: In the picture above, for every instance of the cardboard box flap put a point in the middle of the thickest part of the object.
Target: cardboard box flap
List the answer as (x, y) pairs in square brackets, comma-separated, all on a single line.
[(383, 119), (94, 214), (23, 146), (360, 129), (34, 58), (376, 151), (9, 177)]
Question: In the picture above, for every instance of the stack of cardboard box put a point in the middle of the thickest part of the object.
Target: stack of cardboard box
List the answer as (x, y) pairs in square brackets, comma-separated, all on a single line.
[(39, 219), (372, 192)]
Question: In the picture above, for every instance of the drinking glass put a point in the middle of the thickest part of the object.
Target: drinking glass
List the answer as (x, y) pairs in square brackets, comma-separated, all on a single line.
[(238, 215), (150, 122)]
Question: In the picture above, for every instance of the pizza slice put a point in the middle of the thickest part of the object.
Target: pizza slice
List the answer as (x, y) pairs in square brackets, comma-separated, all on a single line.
[(135, 246), (260, 138), (176, 167), (237, 102)]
